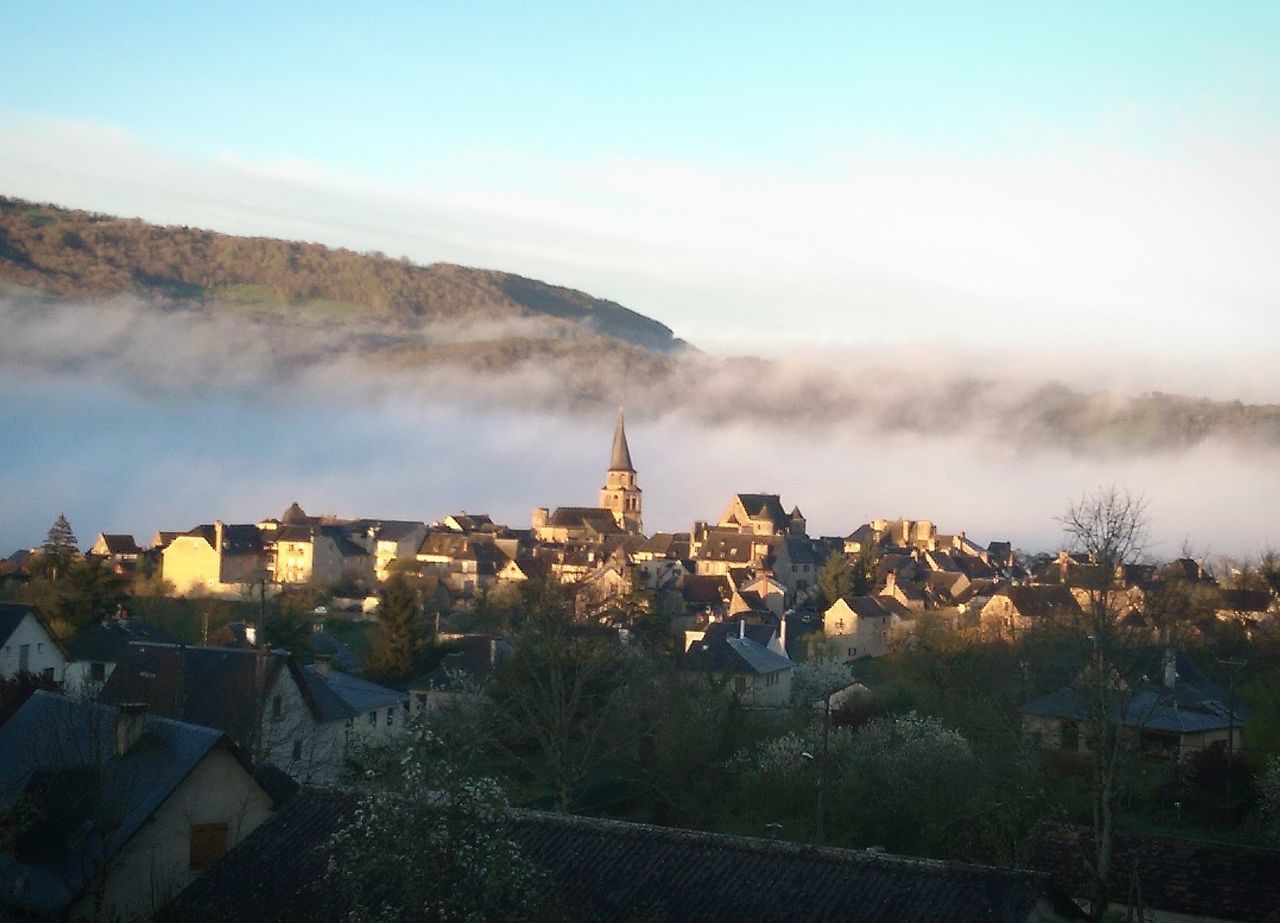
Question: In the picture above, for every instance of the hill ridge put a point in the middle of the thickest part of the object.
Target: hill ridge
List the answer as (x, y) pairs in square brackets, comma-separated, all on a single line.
[(80, 254)]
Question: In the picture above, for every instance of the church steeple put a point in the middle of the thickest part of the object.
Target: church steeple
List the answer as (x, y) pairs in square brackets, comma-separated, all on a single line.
[(620, 495), (620, 458)]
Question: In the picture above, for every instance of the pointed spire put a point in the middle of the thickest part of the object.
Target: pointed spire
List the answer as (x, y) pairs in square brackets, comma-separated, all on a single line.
[(620, 459)]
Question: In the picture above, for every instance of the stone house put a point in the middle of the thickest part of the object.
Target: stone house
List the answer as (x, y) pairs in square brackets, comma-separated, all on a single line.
[(750, 660), (1014, 610), (300, 719), (217, 560), (865, 626)]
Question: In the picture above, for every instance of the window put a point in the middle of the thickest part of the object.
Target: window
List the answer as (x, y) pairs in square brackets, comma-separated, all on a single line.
[(98, 672), (24, 658), (740, 684), (277, 707), (208, 845), (373, 718), (391, 716), (297, 750)]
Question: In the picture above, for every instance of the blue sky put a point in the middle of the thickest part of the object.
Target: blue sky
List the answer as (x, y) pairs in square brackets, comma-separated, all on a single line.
[(979, 169), (398, 87)]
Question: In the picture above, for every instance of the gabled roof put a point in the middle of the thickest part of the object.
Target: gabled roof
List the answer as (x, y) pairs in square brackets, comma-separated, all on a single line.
[(339, 696), (721, 650), (596, 519), (118, 543), (108, 640), (667, 545), (1041, 599), (472, 659), (1194, 704), (236, 539), (54, 736), (210, 686), (764, 506), (11, 616), (607, 870)]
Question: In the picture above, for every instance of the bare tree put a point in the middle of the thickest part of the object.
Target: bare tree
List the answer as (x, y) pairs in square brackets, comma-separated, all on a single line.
[(1110, 527)]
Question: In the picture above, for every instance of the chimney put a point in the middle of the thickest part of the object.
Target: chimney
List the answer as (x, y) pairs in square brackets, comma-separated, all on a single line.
[(742, 628), (782, 633), (217, 535), (130, 720), (890, 583), (1170, 668), (493, 652), (540, 517)]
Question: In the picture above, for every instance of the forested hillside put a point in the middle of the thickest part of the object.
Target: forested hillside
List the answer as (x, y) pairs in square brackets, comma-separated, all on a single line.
[(87, 256)]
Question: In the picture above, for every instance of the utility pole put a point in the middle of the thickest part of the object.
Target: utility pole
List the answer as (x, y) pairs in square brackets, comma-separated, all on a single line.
[(822, 771)]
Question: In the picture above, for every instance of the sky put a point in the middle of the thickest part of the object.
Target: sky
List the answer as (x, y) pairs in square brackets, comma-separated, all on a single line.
[(1087, 190), (989, 173)]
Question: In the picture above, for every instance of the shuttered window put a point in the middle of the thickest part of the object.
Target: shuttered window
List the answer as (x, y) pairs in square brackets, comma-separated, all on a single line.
[(208, 845)]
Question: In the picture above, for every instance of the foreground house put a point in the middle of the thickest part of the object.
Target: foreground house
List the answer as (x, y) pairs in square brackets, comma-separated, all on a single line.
[(113, 811), (604, 870), (28, 645)]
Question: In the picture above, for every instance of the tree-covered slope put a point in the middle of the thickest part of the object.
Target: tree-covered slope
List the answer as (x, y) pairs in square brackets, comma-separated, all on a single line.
[(82, 255)]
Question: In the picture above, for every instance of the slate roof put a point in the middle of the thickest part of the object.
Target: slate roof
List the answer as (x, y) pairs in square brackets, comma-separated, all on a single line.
[(667, 545), (340, 696), (1195, 877), (765, 506), (594, 518), (604, 870), (706, 589), (1194, 704), (11, 615), (620, 453), (53, 737), (119, 544), (722, 651), (108, 640), (209, 686), (472, 659), (236, 539), (1040, 600)]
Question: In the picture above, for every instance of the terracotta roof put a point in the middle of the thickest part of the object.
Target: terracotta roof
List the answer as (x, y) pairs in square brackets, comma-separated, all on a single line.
[(604, 870), (1194, 877)]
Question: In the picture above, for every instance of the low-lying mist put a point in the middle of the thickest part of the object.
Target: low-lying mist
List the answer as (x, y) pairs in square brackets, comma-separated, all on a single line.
[(131, 417)]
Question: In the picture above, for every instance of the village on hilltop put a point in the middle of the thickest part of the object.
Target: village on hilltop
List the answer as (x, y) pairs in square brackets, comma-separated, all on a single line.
[(272, 666)]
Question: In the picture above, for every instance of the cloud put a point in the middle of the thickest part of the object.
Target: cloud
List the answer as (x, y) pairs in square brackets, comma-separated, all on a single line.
[(1056, 242), (128, 416)]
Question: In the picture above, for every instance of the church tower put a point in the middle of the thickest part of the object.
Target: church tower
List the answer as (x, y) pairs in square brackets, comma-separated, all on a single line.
[(620, 495)]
